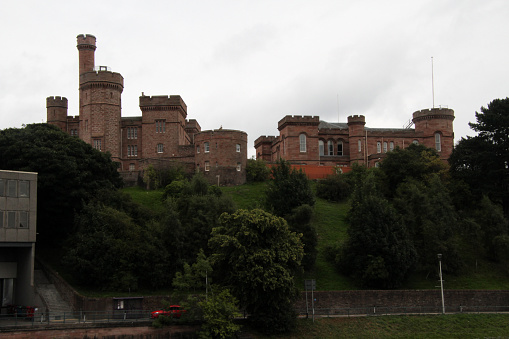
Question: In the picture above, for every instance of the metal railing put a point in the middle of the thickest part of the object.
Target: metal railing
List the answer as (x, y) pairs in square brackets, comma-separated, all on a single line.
[(82, 317), (392, 310)]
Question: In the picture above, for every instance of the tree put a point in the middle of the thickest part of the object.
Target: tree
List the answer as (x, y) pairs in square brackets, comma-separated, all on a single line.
[(219, 313), (194, 276), (333, 188), (256, 256), (429, 216), (378, 252), (483, 161), (288, 188), (300, 223), (70, 173), (257, 170)]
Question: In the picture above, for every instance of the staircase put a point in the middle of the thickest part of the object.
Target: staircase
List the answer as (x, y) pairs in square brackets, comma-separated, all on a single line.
[(57, 307)]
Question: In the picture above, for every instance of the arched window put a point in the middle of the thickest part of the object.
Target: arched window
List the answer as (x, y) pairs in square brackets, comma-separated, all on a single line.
[(378, 147), (391, 146), (438, 144), (302, 141), (330, 147), (385, 146), (321, 147), (340, 147), (359, 145), (415, 142)]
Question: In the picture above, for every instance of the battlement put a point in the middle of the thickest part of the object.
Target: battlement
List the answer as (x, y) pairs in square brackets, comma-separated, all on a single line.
[(56, 102), (192, 124), (433, 113), (298, 120), (264, 139), (159, 101), (102, 77), (357, 119), (86, 41)]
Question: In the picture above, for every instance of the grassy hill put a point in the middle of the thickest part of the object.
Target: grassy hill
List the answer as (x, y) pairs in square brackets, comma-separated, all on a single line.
[(330, 223)]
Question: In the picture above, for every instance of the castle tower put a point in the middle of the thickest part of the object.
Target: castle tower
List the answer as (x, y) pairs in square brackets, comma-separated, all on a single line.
[(86, 47), (163, 123), (434, 127), (56, 112), (357, 138), (100, 101)]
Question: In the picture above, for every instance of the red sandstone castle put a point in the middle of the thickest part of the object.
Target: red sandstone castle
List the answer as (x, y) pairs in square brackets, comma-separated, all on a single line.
[(162, 135), (306, 140)]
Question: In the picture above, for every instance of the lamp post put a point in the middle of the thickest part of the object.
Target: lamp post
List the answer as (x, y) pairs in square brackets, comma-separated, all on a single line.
[(441, 281)]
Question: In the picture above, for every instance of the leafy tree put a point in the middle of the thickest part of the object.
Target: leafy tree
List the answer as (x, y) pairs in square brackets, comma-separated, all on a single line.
[(194, 276), (429, 216), (257, 170), (256, 256), (378, 252), (483, 161), (287, 189), (416, 162), (70, 172), (333, 188), (219, 313), (300, 223), (493, 226), (111, 252)]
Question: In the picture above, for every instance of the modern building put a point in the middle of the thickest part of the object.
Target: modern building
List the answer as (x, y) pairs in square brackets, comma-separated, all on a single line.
[(161, 136), (18, 226), (306, 140)]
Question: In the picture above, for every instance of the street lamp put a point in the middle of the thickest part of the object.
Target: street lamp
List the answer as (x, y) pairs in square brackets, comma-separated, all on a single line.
[(441, 281)]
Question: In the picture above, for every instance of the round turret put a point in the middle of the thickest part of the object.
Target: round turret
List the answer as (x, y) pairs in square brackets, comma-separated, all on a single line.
[(86, 47), (56, 111)]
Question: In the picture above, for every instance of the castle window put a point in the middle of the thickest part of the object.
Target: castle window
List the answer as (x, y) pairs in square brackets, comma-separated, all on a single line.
[(216, 164), (160, 126), (391, 146), (321, 147), (97, 144), (330, 147), (415, 142), (131, 167), (302, 141), (385, 146), (2, 187), (359, 145), (237, 147), (23, 219), (132, 132), (206, 147), (340, 147), (24, 188), (207, 166), (238, 167), (438, 144), (378, 147), (198, 149), (159, 148)]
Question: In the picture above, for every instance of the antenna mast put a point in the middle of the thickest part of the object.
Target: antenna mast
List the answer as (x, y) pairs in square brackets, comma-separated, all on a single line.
[(432, 83)]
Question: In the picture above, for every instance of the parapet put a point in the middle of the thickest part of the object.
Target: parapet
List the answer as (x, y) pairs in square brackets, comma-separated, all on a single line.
[(102, 77), (158, 101), (193, 125), (357, 119), (298, 120), (86, 41), (56, 102), (433, 113), (264, 139)]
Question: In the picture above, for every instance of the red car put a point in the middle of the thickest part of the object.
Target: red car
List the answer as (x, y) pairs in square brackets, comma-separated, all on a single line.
[(174, 311)]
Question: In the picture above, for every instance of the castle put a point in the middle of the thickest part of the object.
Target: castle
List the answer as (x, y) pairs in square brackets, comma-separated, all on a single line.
[(305, 140), (161, 136)]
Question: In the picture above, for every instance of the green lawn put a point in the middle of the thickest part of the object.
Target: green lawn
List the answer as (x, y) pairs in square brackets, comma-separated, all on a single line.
[(430, 326)]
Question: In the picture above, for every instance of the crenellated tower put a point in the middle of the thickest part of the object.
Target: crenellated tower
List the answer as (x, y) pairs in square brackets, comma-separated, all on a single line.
[(56, 112), (100, 100), (357, 138), (434, 127)]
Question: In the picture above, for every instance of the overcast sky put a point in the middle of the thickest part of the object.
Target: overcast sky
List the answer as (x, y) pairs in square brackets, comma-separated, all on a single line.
[(246, 64)]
